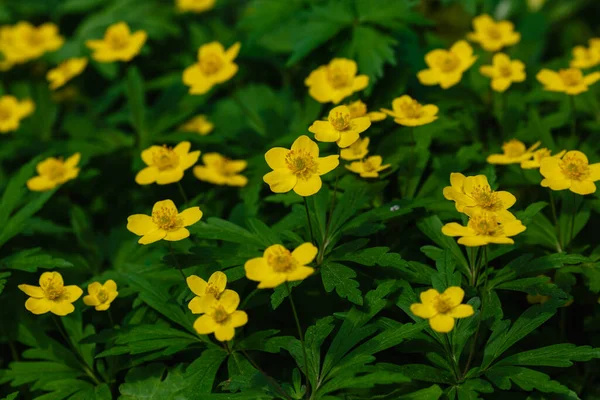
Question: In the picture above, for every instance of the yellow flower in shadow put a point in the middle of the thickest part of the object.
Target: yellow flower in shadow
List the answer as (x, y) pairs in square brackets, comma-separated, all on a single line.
[(53, 172), (446, 67), (215, 65), (409, 112), (279, 265), (441, 309), (118, 44), (165, 164), (51, 296), (335, 81), (368, 168), (101, 295)]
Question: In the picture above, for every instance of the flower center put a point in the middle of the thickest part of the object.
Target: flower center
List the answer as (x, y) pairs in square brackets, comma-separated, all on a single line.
[(357, 109), (442, 304), (448, 62), (368, 166), (513, 148), (118, 41), (54, 170), (574, 168), (505, 71), (167, 219), (486, 198), (337, 77), (494, 33), (220, 315), (571, 76), (102, 295), (211, 63), (412, 109), (301, 163), (5, 113), (281, 260), (485, 225), (213, 290), (53, 290), (34, 38), (165, 158), (340, 121)]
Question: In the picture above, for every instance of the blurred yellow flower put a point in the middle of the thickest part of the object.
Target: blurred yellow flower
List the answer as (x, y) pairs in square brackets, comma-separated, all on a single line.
[(199, 124), (206, 292), (368, 168), (537, 158), (409, 112), (492, 35), (573, 172), (340, 127), (118, 44), (335, 81), (215, 65), (446, 67), (585, 57), (570, 81), (513, 152), (359, 109), (483, 229), (12, 111), (299, 168), (23, 42), (101, 295), (165, 164), (195, 6), (53, 172), (165, 223), (52, 295), (442, 309), (594, 43), (279, 265), (66, 71), (357, 151), (221, 170), (222, 317), (503, 72)]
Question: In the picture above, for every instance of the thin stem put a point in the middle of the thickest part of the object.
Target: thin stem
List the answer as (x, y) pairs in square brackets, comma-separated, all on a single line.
[(411, 160), (572, 228), (177, 263), (559, 243), (450, 354), (312, 239), (110, 318), (182, 192), (273, 381), (573, 117), (300, 334), (474, 343), (328, 226), (473, 261)]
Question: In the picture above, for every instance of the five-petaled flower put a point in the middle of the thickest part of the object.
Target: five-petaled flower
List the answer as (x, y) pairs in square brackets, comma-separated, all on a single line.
[(492, 35), (513, 152), (279, 265), (53, 172), (442, 309), (359, 109), (101, 295), (484, 228), (12, 111), (195, 6), (215, 65), (357, 151), (585, 57), (199, 124), (409, 112), (165, 223), (66, 71), (118, 44), (369, 167), (299, 168), (570, 81), (165, 164), (221, 316), (573, 171), (335, 81), (538, 156), (503, 72), (23, 42), (340, 127), (52, 295), (446, 67), (206, 292), (221, 170)]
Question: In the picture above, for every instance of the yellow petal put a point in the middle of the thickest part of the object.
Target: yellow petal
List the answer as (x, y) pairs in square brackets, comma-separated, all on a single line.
[(140, 224), (273, 281), (110, 285), (305, 253), (299, 274), (152, 237), (508, 199), (473, 241), (429, 296), (224, 333), (148, 155), (238, 318), (169, 176), (91, 300), (442, 323), (190, 216), (188, 160), (219, 280), (308, 187), (327, 164), (594, 172), (94, 288), (51, 277), (324, 131), (38, 306), (423, 310), (257, 269), (305, 143), (232, 52), (360, 83), (583, 187), (429, 77), (230, 300), (195, 305), (40, 184), (197, 285), (32, 291), (455, 295), (72, 161), (205, 324), (550, 168), (455, 229), (275, 157), (61, 308), (166, 204), (182, 148), (280, 180), (179, 234)]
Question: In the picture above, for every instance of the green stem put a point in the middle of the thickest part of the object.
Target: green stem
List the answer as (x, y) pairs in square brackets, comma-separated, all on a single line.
[(573, 117), (559, 244), (312, 239), (110, 318), (182, 192), (473, 261), (300, 334), (572, 228), (450, 354), (331, 208), (411, 160), (271, 380), (177, 263)]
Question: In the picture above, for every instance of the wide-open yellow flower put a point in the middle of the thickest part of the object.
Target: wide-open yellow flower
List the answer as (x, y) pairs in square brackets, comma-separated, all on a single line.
[(66, 71), (221, 170), (23, 42), (409, 112), (206, 292), (538, 156), (335, 81), (12, 111), (573, 172), (340, 127), (513, 152), (279, 265), (570, 81), (222, 317), (299, 168), (492, 35), (118, 44), (101, 295), (503, 72), (368, 168), (357, 150), (165, 223), (446, 67), (195, 6), (199, 124), (584, 57), (359, 109), (165, 164), (53, 172), (442, 309), (215, 65), (52, 295), (484, 228)]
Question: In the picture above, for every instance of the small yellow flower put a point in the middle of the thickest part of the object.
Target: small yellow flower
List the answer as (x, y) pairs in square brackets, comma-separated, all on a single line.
[(53, 172), (66, 71), (409, 112), (357, 151), (340, 127), (206, 292), (585, 58), (299, 168), (335, 81), (195, 6), (570, 81), (165, 223), (52, 295), (12, 111), (572, 172), (215, 65), (359, 109), (483, 229), (513, 152), (368, 168), (165, 164), (101, 296), (503, 72), (537, 158), (442, 309), (222, 317), (221, 170), (199, 124), (279, 265), (492, 35), (446, 67), (23, 42), (118, 44)]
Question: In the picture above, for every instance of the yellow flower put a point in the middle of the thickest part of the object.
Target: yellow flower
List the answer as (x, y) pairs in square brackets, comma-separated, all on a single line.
[(206, 292), (195, 6), (492, 35), (340, 127), (118, 44), (368, 168), (538, 156), (359, 109), (409, 112), (215, 65), (442, 309), (335, 81), (100, 296), (484, 228), (503, 72), (199, 124), (279, 265), (570, 81), (221, 170), (514, 152), (357, 151), (53, 172), (585, 57), (66, 71), (446, 67), (299, 169), (52, 295), (165, 223), (222, 317), (12, 111), (572, 172), (165, 164), (24, 42)]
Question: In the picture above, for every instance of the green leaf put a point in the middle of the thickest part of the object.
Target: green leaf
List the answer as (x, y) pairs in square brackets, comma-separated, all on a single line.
[(3, 279), (281, 293), (339, 277), (220, 229), (431, 393), (147, 383), (432, 227), (137, 108), (372, 50), (527, 379), (426, 373), (31, 259), (557, 355), (374, 376), (200, 375), (535, 286), (389, 13), (265, 234), (11, 396)]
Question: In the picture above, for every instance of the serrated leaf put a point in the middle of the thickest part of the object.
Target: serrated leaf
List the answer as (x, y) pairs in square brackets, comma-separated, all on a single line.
[(527, 379), (220, 229), (200, 374), (31, 259), (557, 355), (339, 277), (3, 279), (151, 383), (372, 50)]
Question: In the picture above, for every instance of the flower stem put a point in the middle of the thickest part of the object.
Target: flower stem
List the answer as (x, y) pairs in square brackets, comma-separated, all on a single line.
[(182, 192), (559, 244), (572, 227), (573, 117), (177, 263), (312, 239), (411, 160), (450, 353), (300, 334), (110, 318), (271, 380), (331, 208)]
